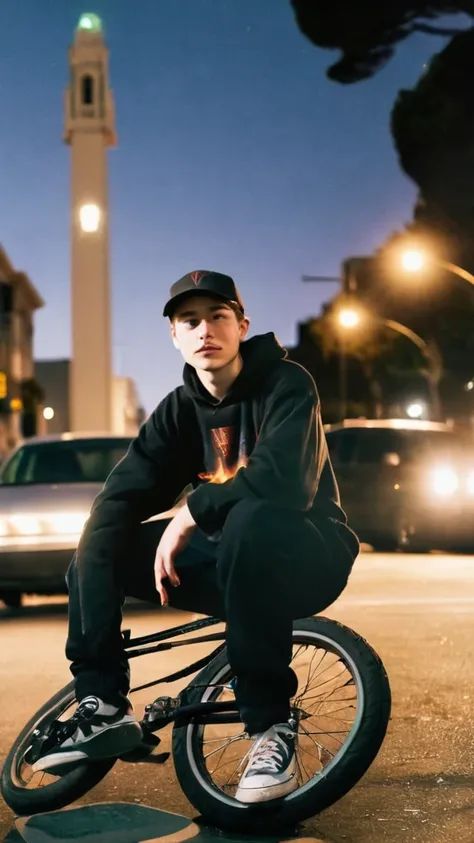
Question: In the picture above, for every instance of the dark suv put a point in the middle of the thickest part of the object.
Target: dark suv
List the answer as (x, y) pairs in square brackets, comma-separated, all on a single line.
[(405, 484)]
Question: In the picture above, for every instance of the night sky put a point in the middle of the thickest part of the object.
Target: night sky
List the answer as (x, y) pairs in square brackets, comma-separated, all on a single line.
[(235, 153)]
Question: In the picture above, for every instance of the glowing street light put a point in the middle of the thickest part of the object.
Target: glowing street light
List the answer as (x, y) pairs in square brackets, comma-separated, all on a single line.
[(348, 318), (89, 216), (413, 260), (48, 413)]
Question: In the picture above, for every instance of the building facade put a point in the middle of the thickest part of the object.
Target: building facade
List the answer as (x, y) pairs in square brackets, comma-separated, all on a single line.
[(54, 378), (19, 395)]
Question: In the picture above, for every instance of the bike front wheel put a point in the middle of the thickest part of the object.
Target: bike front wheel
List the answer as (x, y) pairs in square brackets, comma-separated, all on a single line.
[(342, 707), (27, 792)]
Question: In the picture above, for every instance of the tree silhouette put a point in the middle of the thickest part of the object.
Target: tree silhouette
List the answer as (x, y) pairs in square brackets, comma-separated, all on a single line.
[(367, 31), (433, 124), (433, 131)]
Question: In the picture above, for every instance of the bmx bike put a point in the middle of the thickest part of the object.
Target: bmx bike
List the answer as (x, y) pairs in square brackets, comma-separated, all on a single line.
[(340, 712)]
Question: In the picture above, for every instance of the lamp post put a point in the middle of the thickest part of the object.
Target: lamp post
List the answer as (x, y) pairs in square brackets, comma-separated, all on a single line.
[(331, 279), (414, 260), (349, 318)]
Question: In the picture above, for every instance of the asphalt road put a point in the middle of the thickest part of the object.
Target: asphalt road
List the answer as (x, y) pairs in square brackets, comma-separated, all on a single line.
[(418, 613)]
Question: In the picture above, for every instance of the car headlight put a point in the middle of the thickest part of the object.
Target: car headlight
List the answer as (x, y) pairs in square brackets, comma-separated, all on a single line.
[(55, 523), (445, 482), (66, 522), (25, 525)]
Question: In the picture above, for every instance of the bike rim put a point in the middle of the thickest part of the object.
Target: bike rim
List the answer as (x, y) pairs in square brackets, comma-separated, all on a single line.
[(327, 756), (20, 766)]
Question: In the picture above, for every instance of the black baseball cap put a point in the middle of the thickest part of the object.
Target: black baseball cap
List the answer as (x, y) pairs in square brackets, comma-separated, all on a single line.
[(203, 282)]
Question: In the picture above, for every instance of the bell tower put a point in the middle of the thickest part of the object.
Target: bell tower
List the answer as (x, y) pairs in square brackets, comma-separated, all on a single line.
[(90, 132)]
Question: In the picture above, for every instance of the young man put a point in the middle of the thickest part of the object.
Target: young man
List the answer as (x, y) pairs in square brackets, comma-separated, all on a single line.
[(260, 541)]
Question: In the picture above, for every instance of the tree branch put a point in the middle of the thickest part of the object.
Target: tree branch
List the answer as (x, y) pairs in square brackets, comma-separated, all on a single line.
[(434, 30)]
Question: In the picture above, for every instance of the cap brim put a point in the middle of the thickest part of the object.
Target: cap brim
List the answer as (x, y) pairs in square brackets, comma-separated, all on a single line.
[(173, 303)]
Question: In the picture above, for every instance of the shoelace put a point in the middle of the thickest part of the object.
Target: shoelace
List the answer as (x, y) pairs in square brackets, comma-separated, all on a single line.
[(267, 755)]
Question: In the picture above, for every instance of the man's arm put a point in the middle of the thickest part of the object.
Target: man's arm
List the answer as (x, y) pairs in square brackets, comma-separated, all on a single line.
[(284, 466), (145, 481)]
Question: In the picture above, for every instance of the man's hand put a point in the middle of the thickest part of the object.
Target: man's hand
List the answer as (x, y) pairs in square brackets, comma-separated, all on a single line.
[(173, 541)]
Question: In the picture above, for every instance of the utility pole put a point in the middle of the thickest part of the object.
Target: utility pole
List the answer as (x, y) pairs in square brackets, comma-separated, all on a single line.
[(325, 279)]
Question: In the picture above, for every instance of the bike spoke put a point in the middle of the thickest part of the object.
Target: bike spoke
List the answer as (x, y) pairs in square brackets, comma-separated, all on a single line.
[(224, 747), (326, 692)]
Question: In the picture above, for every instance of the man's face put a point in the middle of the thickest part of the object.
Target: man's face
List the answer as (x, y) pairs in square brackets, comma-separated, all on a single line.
[(207, 332)]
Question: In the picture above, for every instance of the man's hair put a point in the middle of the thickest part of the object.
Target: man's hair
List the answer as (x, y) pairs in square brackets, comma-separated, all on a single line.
[(237, 310)]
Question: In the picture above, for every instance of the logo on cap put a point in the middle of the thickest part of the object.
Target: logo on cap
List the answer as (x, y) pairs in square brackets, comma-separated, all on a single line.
[(196, 277)]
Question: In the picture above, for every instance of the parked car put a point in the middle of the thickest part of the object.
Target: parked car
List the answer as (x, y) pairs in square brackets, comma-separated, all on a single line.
[(47, 487), (405, 484)]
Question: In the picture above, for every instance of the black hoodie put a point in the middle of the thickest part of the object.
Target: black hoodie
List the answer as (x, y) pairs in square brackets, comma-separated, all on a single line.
[(264, 440)]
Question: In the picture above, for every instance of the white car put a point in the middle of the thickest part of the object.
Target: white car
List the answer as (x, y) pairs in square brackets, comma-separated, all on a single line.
[(47, 487)]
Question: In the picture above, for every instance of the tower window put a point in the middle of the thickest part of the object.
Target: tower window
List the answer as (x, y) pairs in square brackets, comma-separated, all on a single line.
[(87, 90)]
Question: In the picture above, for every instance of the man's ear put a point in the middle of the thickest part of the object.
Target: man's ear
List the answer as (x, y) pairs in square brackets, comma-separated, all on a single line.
[(244, 327), (173, 336)]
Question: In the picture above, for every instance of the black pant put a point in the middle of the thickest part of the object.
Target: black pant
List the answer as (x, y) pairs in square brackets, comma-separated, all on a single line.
[(270, 567)]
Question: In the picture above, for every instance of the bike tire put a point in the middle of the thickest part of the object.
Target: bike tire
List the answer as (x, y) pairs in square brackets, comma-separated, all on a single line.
[(66, 789), (225, 812)]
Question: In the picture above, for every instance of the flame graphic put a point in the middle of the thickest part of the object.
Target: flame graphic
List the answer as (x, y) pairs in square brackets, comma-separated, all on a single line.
[(219, 476), (223, 472)]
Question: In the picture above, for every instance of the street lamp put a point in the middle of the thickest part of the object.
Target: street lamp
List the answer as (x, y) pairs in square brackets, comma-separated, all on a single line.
[(331, 279), (349, 317), (414, 260)]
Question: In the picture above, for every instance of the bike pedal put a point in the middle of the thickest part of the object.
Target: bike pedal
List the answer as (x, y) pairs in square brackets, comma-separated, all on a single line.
[(162, 709)]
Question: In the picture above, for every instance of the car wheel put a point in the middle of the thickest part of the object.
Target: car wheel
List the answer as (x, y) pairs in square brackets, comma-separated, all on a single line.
[(385, 545), (12, 599), (416, 548), (464, 549)]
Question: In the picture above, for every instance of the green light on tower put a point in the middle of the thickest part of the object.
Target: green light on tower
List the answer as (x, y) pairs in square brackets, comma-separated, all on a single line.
[(90, 22)]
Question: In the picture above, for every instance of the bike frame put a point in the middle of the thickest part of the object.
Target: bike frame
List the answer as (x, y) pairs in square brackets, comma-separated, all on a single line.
[(178, 710)]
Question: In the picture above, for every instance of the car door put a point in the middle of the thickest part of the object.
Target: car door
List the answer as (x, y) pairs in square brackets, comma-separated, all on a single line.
[(342, 445), (367, 481)]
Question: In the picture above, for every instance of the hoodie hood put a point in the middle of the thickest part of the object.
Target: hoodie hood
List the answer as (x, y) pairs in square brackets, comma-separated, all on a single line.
[(259, 354)]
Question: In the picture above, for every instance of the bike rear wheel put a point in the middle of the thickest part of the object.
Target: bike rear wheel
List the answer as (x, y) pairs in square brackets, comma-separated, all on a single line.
[(341, 729)]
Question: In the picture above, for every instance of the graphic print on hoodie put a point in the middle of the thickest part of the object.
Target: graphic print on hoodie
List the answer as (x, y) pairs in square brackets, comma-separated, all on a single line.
[(226, 449)]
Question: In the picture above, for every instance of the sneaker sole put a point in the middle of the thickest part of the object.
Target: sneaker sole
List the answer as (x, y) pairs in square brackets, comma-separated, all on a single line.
[(105, 744), (254, 795)]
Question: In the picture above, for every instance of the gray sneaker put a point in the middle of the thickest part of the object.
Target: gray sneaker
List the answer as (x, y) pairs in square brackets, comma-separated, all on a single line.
[(95, 730), (271, 769)]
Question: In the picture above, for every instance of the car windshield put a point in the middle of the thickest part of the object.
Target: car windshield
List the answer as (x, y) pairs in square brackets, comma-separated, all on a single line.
[(418, 444), (370, 445), (71, 461)]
